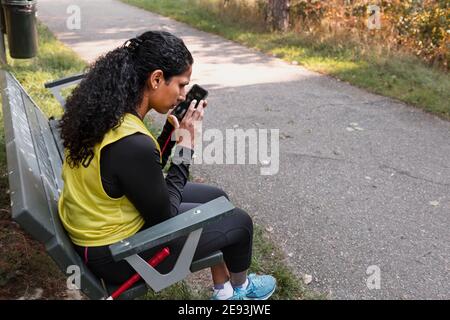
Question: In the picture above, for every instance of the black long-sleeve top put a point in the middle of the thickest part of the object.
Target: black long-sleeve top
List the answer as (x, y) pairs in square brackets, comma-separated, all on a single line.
[(131, 166)]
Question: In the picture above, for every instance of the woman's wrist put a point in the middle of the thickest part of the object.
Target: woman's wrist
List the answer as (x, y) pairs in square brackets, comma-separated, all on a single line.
[(185, 142)]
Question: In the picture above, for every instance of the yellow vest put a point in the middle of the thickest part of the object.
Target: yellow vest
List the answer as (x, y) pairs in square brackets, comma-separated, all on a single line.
[(89, 215)]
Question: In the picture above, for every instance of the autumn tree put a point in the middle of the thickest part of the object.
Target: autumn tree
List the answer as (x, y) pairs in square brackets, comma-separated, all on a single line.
[(278, 14)]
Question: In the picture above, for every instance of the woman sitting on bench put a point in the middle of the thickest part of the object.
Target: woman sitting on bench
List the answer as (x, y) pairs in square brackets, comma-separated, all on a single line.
[(113, 180)]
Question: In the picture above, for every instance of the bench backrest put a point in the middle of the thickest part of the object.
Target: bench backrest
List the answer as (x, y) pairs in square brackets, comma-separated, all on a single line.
[(34, 172)]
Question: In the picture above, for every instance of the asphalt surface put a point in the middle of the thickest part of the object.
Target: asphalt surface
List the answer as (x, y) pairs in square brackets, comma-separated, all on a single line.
[(363, 180)]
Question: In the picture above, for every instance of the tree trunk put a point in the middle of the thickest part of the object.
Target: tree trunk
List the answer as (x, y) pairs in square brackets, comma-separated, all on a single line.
[(278, 15)]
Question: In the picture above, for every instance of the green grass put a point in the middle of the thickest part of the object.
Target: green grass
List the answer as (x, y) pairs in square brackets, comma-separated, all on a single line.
[(54, 61), (268, 259), (390, 74)]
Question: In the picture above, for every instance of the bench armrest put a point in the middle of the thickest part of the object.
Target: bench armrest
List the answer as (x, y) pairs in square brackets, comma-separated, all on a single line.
[(173, 228), (64, 81), (56, 86)]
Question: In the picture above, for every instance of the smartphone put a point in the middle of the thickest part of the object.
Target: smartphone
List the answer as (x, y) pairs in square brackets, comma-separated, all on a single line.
[(195, 93)]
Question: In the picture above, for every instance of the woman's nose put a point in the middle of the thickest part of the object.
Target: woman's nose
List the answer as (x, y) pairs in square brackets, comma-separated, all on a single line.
[(183, 94)]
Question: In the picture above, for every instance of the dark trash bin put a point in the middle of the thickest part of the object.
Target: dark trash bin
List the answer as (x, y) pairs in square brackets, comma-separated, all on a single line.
[(21, 27), (2, 17)]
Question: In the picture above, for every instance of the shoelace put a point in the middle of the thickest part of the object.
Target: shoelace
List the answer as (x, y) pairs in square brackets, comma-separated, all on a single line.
[(254, 283), (239, 293)]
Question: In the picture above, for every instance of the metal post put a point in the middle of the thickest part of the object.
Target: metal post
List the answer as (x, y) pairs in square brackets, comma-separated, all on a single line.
[(2, 43)]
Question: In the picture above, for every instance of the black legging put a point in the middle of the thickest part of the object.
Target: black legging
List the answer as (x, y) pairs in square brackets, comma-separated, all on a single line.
[(233, 235)]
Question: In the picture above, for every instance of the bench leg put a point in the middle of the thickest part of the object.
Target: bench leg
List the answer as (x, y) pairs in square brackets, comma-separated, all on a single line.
[(181, 270)]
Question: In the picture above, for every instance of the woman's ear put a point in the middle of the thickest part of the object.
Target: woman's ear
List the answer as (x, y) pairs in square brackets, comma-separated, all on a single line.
[(155, 79)]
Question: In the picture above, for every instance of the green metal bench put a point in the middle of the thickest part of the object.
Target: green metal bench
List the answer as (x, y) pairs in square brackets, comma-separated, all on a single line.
[(34, 156)]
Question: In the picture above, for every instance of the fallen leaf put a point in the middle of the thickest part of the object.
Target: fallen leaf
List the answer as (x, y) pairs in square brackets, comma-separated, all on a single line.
[(307, 278), (434, 203)]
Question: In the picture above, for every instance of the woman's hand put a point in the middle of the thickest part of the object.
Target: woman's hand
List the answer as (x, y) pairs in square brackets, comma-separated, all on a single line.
[(190, 125)]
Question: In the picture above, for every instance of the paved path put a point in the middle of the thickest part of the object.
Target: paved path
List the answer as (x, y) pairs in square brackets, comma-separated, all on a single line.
[(363, 180)]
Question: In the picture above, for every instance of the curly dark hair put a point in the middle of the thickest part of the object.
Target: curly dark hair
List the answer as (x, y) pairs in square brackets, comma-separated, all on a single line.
[(113, 86)]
